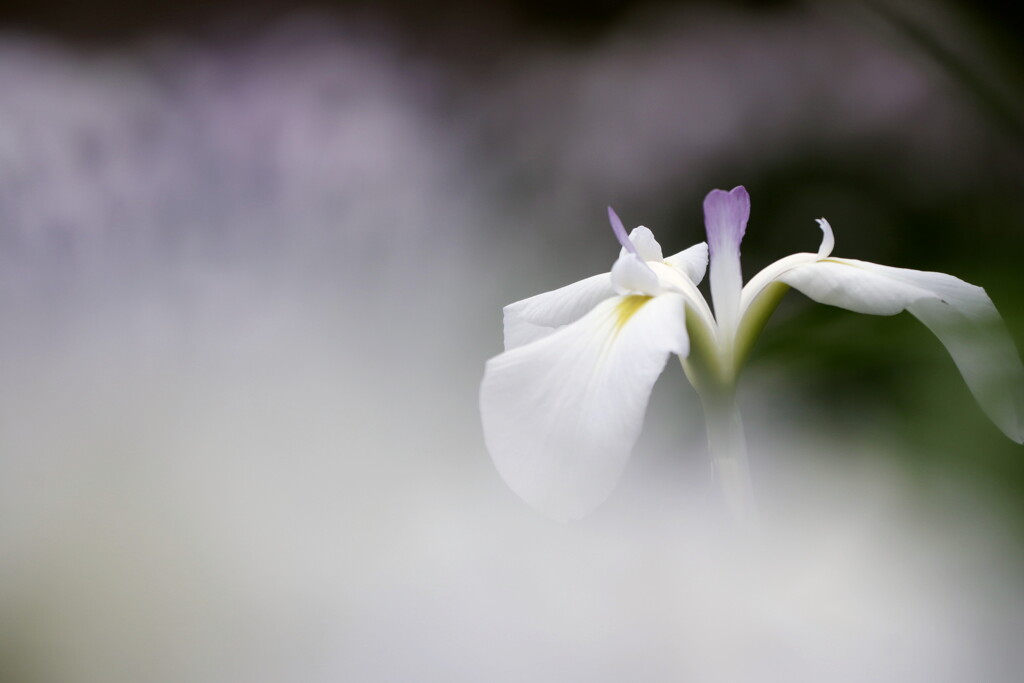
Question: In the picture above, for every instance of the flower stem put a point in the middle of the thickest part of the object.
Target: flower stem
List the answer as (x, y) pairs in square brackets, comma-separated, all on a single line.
[(728, 447)]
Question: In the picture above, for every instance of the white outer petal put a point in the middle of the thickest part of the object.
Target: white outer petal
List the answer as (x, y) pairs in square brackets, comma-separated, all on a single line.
[(561, 415), (540, 315), (961, 315), (692, 262), (845, 283)]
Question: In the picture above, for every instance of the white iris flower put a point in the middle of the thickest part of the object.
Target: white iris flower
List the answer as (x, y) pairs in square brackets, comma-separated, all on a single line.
[(563, 406)]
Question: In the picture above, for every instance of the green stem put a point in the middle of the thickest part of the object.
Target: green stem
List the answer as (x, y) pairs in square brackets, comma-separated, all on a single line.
[(728, 447)]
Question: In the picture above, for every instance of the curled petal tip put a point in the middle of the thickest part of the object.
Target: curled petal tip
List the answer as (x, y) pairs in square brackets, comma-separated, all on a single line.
[(620, 231), (828, 239)]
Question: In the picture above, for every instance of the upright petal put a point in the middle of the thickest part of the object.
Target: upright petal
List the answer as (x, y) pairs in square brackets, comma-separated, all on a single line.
[(828, 239), (620, 231), (725, 218), (961, 315), (561, 415), (692, 262), (644, 244), (540, 315), (638, 246)]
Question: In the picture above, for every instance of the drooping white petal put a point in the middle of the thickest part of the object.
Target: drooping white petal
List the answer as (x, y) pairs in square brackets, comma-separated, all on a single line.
[(631, 275), (561, 415), (692, 262), (725, 218), (540, 315), (960, 314), (647, 248), (847, 284)]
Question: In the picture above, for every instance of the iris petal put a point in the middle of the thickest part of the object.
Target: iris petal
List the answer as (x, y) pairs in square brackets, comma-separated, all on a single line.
[(644, 244), (692, 262), (631, 275), (538, 316), (960, 314), (725, 218), (561, 415)]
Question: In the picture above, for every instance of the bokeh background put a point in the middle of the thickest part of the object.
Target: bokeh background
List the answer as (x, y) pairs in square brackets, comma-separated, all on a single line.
[(252, 260)]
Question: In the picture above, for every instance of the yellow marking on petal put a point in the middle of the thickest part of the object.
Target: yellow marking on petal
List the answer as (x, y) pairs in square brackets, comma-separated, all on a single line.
[(627, 308)]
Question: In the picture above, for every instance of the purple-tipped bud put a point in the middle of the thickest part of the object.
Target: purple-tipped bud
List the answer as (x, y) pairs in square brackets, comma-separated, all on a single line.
[(620, 231), (725, 218)]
